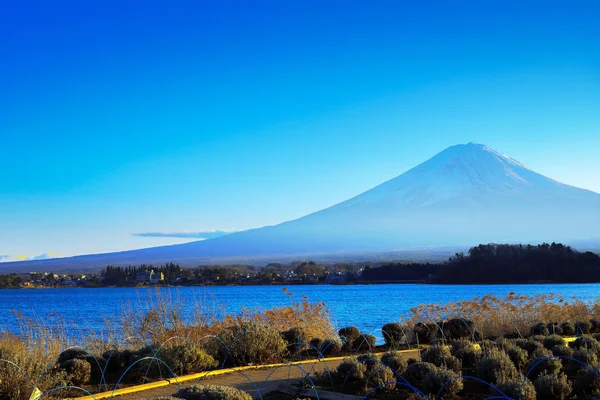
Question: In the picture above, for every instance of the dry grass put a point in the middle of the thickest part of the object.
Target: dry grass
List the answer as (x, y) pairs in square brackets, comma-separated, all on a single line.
[(495, 316), (157, 318), (164, 320), (25, 360), (313, 318), (160, 317)]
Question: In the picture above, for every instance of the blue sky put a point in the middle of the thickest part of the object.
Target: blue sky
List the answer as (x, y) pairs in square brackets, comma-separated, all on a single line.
[(123, 118)]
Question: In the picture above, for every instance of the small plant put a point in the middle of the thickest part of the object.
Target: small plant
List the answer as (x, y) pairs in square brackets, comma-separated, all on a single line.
[(586, 356), (118, 360), (351, 369), (78, 371), (543, 364), (331, 347), (395, 361), (364, 342), (369, 359), (586, 342), (348, 335), (587, 383), (96, 363), (294, 335), (459, 328), (440, 356), (540, 352), (530, 345), (466, 351), (594, 325), (554, 328), (316, 343), (562, 351), (72, 354), (380, 375), (252, 342), (553, 340), (516, 389), (452, 363), (553, 387), (496, 367), (392, 334), (435, 354), (212, 392), (425, 332), (518, 357), (540, 329), (186, 359), (582, 327), (568, 329), (539, 338), (434, 381), (415, 373)]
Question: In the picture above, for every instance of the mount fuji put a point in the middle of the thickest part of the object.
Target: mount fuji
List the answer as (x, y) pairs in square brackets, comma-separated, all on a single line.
[(465, 195)]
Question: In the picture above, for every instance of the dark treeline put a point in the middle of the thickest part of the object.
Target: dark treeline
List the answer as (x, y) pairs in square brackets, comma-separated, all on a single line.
[(399, 272), (126, 275), (489, 263), (494, 263), (10, 281), (300, 272)]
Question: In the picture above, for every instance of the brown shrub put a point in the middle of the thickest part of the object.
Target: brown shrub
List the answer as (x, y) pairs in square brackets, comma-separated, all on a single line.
[(496, 367), (252, 342), (553, 387), (186, 359), (395, 361), (380, 375), (78, 371), (516, 390), (442, 378), (212, 392)]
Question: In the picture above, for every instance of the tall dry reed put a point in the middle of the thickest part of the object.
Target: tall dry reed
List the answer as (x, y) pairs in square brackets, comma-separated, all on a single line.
[(497, 316)]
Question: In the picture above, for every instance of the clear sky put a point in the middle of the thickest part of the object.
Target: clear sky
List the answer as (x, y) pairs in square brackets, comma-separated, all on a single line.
[(142, 117)]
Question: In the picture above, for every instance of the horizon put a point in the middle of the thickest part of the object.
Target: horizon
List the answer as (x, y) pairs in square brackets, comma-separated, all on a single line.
[(419, 253), (131, 127)]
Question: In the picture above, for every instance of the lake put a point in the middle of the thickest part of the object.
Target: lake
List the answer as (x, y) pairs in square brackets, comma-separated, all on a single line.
[(367, 306)]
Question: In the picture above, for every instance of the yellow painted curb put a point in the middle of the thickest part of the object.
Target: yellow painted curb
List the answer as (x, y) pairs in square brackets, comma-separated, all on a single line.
[(129, 390), (201, 375)]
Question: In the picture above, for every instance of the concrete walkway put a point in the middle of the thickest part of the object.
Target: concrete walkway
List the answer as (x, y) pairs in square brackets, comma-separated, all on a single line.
[(252, 381)]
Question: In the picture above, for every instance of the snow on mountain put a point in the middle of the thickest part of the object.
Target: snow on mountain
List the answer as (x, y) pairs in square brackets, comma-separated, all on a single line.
[(465, 195), (466, 175)]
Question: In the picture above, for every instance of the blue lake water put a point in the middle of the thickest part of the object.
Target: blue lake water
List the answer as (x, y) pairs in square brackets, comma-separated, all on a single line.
[(366, 306)]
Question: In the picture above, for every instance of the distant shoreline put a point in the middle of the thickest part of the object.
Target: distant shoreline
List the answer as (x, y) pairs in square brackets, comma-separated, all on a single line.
[(364, 283)]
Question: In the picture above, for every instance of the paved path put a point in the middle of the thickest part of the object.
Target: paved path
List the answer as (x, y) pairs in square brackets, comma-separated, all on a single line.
[(263, 380)]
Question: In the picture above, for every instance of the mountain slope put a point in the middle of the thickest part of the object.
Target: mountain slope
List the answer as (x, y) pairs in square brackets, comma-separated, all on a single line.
[(467, 194), (469, 175)]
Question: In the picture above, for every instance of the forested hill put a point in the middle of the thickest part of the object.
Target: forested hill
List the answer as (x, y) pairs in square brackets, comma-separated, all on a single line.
[(494, 263)]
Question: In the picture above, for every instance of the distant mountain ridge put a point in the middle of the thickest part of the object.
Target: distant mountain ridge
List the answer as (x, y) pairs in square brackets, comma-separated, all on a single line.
[(465, 195)]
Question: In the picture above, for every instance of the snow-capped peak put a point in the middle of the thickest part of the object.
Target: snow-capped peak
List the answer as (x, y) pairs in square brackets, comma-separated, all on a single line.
[(465, 174)]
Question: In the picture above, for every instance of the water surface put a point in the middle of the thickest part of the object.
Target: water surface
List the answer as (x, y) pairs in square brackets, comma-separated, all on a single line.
[(366, 306)]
